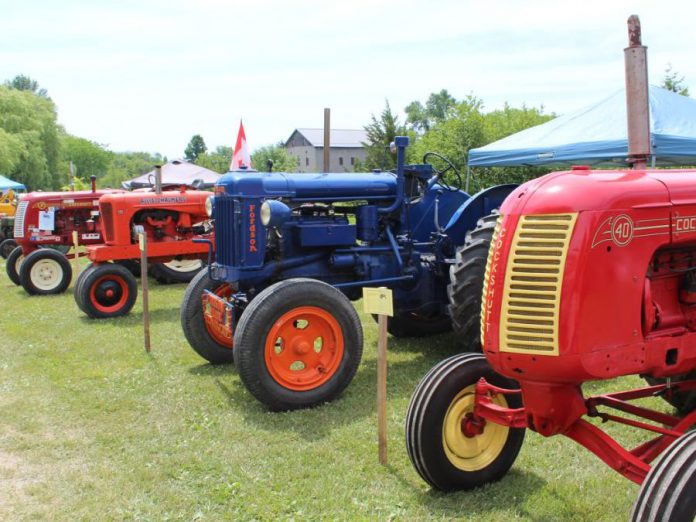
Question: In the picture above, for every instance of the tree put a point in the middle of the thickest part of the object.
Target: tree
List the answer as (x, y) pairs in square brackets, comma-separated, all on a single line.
[(380, 134), (439, 107), (195, 148), (29, 141), (89, 158), (24, 83), (219, 160), (278, 154), (128, 165), (673, 82)]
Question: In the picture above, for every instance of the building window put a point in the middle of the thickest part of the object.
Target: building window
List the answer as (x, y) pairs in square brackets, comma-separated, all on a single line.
[(340, 161), (306, 162), (352, 160)]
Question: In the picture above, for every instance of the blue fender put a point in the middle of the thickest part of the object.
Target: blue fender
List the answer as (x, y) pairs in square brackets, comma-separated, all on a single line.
[(480, 205)]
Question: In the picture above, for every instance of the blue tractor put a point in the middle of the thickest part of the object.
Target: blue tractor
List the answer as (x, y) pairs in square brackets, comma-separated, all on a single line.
[(292, 250)]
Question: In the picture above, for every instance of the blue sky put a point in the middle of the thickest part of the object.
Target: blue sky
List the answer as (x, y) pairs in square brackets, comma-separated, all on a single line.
[(147, 75)]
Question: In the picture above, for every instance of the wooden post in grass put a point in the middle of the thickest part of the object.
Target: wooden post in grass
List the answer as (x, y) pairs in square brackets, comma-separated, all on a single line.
[(142, 242), (75, 244), (379, 301)]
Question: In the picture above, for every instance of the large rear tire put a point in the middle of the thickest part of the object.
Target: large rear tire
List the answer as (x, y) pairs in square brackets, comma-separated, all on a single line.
[(684, 402), (13, 264), (298, 344), (466, 284), (176, 271), (6, 247), (414, 325), (45, 272), (443, 455), (106, 290), (668, 492), (204, 340)]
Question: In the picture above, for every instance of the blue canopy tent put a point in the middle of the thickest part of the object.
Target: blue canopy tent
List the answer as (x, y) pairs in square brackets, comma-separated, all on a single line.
[(6, 184), (596, 135)]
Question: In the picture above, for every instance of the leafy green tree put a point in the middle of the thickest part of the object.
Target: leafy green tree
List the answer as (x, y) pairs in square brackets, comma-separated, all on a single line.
[(218, 160), (282, 161), (128, 165), (417, 117), (195, 148), (673, 82), (380, 134), (29, 140), (439, 107), (89, 158), (24, 83)]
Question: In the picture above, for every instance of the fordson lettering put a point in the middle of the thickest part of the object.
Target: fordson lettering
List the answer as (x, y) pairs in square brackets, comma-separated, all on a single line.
[(252, 228)]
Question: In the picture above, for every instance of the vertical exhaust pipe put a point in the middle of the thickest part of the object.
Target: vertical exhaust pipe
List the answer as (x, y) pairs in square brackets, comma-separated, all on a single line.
[(158, 179), (327, 140), (93, 179), (637, 101)]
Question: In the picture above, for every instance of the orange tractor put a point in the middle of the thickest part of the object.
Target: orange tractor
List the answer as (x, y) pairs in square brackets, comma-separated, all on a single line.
[(590, 275)]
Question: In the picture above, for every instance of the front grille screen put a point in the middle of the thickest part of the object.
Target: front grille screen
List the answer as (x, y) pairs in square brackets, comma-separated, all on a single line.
[(529, 319), (19, 219)]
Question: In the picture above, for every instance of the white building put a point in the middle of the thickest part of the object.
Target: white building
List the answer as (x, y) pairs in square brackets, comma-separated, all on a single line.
[(307, 145)]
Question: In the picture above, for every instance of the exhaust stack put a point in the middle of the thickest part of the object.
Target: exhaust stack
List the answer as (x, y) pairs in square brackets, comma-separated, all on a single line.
[(637, 103)]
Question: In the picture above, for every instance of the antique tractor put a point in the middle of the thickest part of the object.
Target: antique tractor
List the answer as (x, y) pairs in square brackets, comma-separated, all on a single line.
[(8, 208), (171, 219), (591, 275), (43, 229), (292, 250)]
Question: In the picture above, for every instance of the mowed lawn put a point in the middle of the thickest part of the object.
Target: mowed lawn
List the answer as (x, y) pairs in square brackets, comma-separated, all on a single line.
[(93, 428)]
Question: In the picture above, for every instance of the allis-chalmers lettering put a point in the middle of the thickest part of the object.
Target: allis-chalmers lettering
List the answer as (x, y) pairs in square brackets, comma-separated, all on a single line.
[(252, 228), (170, 199), (490, 293)]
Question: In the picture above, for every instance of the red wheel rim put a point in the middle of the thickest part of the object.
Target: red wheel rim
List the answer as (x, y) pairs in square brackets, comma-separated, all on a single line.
[(224, 291), (304, 348), (109, 294)]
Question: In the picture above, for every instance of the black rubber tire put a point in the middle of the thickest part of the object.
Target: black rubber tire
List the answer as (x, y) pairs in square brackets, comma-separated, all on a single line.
[(466, 284), (6, 247), (193, 323), (63, 249), (131, 265), (414, 325), (668, 492), (77, 292), (426, 414), (167, 275), (118, 278), (684, 402), (256, 323), (13, 264), (57, 261)]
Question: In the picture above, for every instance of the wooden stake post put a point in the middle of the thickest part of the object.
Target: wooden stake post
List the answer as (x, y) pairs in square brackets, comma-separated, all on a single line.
[(142, 242), (75, 241), (379, 301)]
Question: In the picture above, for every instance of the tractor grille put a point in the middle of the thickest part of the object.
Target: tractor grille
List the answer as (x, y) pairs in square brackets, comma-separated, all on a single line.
[(487, 274), (19, 219), (224, 230), (529, 317), (107, 218)]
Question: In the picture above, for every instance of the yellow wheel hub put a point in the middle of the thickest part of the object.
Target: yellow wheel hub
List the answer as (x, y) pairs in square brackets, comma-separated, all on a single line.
[(475, 452)]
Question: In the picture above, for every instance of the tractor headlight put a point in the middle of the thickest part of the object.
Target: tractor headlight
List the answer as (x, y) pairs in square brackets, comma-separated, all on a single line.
[(209, 204), (274, 213)]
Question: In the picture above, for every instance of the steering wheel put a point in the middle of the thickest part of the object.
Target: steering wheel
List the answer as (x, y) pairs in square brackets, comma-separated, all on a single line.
[(440, 173)]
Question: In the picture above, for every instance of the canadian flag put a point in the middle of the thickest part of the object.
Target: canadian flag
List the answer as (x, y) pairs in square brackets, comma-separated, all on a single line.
[(241, 156)]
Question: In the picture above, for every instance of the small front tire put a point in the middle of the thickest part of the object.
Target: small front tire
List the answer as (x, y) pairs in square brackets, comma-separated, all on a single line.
[(45, 272), (106, 290), (13, 265), (6, 247)]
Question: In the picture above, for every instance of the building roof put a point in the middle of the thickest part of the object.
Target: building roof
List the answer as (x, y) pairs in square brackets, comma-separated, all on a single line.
[(343, 138)]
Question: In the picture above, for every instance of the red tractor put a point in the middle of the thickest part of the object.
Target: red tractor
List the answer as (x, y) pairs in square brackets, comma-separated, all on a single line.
[(171, 220), (590, 275), (43, 229)]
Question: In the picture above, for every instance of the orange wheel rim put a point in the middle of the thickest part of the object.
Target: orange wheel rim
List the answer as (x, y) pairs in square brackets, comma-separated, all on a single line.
[(304, 348), (224, 291)]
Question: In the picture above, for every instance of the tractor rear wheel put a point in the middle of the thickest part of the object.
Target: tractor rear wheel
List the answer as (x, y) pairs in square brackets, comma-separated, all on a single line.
[(416, 325), (176, 271), (13, 264), (131, 265), (684, 402), (6, 247), (667, 492), (45, 272), (444, 454), (466, 283), (107, 290), (298, 344), (203, 338)]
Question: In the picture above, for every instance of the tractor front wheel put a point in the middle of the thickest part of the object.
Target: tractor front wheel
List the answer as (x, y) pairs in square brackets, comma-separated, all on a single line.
[(77, 291), (466, 283), (667, 493), (6, 247), (106, 290), (13, 264), (203, 337), (298, 344), (45, 272), (176, 271), (446, 452)]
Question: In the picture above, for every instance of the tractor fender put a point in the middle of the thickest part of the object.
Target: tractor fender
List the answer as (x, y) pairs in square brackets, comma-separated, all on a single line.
[(479, 205)]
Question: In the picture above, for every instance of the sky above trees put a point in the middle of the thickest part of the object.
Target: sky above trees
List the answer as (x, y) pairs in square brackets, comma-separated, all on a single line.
[(147, 75)]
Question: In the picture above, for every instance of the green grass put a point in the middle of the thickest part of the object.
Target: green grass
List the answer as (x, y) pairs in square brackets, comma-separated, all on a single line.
[(94, 428)]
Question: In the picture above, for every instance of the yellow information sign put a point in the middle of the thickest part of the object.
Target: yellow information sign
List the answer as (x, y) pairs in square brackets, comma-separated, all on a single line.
[(378, 301)]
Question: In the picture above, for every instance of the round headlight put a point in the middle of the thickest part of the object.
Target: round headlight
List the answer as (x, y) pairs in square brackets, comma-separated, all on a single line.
[(209, 206), (265, 214)]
